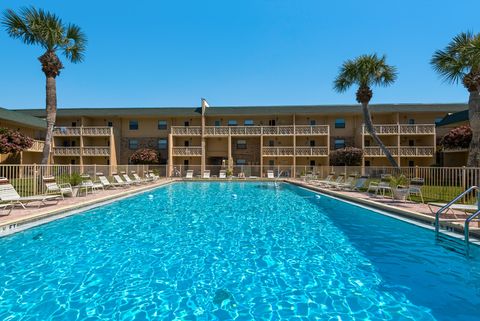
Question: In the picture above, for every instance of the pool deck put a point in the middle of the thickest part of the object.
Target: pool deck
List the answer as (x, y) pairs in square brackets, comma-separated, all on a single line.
[(34, 215), (411, 210)]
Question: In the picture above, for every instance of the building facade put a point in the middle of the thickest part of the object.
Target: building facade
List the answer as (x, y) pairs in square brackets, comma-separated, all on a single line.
[(260, 136)]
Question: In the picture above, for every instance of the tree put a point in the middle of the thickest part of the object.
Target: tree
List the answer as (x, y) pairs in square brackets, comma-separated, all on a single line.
[(366, 71), (459, 137), (12, 141), (460, 61), (144, 156), (39, 27), (349, 156)]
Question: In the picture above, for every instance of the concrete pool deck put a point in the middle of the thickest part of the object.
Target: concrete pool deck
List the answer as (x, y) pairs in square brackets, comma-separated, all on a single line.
[(19, 218)]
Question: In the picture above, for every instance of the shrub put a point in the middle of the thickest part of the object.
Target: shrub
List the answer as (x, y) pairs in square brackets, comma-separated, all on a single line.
[(144, 156), (349, 156), (12, 141), (459, 137)]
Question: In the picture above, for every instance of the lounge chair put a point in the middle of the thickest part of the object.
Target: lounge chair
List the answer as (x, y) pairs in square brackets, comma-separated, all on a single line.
[(340, 180), (222, 174), (9, 195), (120, 181), (348, 184), (54, 188), (206, 173), (270, 174), (359, 184), (415, 188), (379, 187), (189, 174), (141, 180), (324, 181), (153, 176), (130, 181), (466, 208), (107, 184), (87, 183)]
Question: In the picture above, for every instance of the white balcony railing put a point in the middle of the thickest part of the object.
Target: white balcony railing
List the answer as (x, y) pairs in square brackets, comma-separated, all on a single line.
[(37, 146), (187, 151), (311, 151), (402, 129), (86, 151), (85, 131), (66, 151), (278, 151), (251, 130), (96, 151), (403, 151)]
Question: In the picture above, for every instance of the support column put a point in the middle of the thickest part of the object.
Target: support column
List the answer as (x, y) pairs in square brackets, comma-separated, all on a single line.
[(399, 141), (203, 158), (81, 149), (294, 149), (261, 155), (229, 153), (170, 155)]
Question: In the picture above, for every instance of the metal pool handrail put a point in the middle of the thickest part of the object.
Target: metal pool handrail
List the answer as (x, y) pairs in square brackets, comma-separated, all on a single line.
[(444, 208), (466, 228)]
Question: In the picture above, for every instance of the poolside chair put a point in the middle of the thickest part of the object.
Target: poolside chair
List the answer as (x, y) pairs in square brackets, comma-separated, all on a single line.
[(206, 173), (87, 183), (415, 188), (130, 181), (153, 176), (120, 181), (340, 180), (359, 184), (9, 195), (379, 187), (54, 188), (270, 174), (189, 174), (107, 184), (142, 180), (466, 208), (348, 184), (222, 174), (324, 181)]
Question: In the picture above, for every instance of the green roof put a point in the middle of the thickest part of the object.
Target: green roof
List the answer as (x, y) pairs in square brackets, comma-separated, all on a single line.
[(248, 110), (453, 118), (22, 118)]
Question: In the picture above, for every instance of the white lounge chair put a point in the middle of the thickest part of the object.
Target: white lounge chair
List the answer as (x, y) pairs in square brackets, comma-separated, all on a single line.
[(380, 187), (9, 195), (87, 183), (54, 188), (347, 184), (222, 174), (415, 188), (120, 181), (206, 173), (466, 208), (153, 176), (107, 184), (189, 174), (324, 181), (270, 174), (337, 182), (359, 183), (141, 180), (129, 180)]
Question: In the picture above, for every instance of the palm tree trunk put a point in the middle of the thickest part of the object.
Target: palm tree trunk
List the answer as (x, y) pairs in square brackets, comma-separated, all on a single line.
[(474, 117), (51, 101), (367, 118)]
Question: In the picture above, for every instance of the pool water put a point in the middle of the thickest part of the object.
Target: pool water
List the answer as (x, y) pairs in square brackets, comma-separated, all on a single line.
[(233, 251)]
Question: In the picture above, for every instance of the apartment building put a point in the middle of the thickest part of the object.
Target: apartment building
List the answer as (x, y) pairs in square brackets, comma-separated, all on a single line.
[(262, 136)]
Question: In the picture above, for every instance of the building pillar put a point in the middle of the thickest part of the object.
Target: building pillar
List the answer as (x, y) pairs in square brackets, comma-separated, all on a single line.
[(170, 155), (294, 148), (81, 149), (229, 153), (261, 155), (203, 158)]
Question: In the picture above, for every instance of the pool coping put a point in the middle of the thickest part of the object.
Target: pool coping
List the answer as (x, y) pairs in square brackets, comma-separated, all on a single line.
[(412, 215), (16, 225)]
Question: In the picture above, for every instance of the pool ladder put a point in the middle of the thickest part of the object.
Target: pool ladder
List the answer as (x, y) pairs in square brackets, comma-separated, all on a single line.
[(466, 226)]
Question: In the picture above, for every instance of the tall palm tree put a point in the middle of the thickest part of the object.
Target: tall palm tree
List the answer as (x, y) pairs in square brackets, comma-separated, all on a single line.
[(460, 61), (366, 71), (39, 27)]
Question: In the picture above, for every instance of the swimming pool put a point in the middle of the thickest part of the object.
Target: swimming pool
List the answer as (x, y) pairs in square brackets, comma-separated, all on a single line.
[(242, 251)]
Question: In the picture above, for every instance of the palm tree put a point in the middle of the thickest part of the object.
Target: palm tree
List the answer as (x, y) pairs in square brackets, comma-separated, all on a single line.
[(39, 27), (366, 71), (460, 61)]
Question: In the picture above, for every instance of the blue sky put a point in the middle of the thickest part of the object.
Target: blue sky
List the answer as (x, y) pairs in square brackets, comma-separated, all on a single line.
[(159, 53)]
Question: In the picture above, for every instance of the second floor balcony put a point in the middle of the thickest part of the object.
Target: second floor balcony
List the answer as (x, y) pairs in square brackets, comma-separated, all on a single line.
[(403, 151), (289, 130), (82, 131), (187, 151), (79, 151), (295, 151), (402, 129)]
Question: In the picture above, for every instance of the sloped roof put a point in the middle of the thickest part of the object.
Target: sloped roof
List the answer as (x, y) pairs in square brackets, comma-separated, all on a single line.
[(22, 119), (453, 118)]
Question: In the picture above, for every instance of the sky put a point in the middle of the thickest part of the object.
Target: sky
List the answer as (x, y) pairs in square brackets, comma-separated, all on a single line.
[(158, 53)]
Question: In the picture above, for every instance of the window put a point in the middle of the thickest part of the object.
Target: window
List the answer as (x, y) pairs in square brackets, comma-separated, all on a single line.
[(133, 125), (411, 121), (312, 143), (271, 122), (110, 124), (74, 124), (411, 142), (73, 143), (367, 163), (72, 161), (241, 144), (248, 122), (162, 143), (218, 123), (312, 162), (133, 144), (241, 162), (367, 142), (186, 143), (339, 143), (411, 163), (232, 122), (186, 123), (339, 123), (271, 143), (185, 162), (313, 122), (162, 124), (271, 162)]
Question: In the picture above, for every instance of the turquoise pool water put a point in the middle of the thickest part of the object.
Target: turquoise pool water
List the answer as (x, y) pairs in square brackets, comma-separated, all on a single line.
[(241, 251)]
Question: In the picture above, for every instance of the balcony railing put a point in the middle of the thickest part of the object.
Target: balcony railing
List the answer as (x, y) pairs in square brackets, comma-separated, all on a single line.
[(37, 146), (87, 151), (311, 151), (251, 130), (403, 151), (403, 129), (85, 131), (187, 151), (278, 151)]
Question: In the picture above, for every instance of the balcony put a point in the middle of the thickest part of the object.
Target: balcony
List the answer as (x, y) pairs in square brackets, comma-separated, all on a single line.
[(402, 151), (77, 151), (82, 131), (402, 129), (37, 146), (278, 151), (251, 130), (187, 151), (311, 151)]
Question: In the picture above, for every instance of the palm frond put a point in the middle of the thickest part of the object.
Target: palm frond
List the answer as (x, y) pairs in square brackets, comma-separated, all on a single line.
[(75, 44), (17, 27)]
